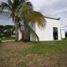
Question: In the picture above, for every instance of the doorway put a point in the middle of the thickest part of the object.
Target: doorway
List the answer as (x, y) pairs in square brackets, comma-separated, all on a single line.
[(55, 33)]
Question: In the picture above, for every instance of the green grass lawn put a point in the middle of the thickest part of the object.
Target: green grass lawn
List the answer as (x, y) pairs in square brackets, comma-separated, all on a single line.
[(47, 48), (34, 54)]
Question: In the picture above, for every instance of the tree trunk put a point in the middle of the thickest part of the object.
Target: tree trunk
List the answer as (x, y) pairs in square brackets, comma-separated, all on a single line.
[(19, 34)]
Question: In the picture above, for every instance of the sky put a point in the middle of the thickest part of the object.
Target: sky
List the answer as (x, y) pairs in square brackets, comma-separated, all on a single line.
[(52, 8)]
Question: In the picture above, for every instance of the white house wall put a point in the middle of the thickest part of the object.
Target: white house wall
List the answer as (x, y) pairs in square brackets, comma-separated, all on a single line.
[(46, 33), (62, 33)]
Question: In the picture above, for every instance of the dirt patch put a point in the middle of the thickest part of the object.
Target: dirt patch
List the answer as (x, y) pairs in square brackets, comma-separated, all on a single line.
[(45, 61), (16, 45)]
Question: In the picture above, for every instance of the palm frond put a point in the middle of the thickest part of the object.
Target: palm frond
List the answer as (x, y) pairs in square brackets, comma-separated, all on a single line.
[(10, 3), (38, 18), (24, 11), (30, 5), (5, 6), (22, 1), (17, 3)]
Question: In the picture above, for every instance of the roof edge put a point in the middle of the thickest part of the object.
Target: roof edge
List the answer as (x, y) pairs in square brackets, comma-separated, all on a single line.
[(52, 18)]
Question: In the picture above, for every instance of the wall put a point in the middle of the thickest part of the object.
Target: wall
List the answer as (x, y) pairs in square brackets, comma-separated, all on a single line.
[(62, 33)]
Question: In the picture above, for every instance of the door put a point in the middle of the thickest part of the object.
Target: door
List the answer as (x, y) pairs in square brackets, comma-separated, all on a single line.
[(55, 33)]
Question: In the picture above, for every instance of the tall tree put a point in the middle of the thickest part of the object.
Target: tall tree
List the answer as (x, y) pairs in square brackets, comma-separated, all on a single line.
[(11, 6)]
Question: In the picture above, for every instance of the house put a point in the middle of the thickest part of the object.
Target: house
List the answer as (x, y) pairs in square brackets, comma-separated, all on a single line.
[(51, 31)]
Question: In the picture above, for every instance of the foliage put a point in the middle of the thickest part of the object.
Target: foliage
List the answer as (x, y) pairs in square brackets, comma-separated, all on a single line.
[(25, 12), (6, 30)]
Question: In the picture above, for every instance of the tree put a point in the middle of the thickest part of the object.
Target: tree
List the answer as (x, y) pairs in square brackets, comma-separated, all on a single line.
[(26, 13), (22, 10), (8, 30), (11, 6)]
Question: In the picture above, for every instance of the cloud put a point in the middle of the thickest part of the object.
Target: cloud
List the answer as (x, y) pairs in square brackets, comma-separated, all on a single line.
[(38, 4), (3, 0), (63, 10)]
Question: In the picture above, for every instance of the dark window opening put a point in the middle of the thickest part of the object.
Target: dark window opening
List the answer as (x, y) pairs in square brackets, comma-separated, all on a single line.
[(55, 33)]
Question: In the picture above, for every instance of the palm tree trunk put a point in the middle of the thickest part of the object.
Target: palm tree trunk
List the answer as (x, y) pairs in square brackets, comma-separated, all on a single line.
[(18, 32)]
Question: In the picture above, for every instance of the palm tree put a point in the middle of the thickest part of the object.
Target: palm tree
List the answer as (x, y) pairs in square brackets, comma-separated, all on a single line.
[(26, 13), (11, 6), (22, 10)]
